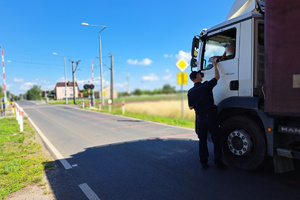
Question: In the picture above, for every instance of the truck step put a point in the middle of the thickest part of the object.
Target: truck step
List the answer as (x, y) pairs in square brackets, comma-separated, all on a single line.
[(288, 153)]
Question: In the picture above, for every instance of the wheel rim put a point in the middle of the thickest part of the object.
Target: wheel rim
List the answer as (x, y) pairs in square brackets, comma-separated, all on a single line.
[(239, 142)]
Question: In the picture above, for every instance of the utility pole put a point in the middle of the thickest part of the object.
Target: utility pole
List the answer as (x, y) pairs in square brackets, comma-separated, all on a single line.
[(73, 73), (101, 73), (111, 77), (45, 93)]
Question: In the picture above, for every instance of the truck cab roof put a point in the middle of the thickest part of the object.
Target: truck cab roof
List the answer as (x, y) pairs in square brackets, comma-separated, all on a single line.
[(241, 18)]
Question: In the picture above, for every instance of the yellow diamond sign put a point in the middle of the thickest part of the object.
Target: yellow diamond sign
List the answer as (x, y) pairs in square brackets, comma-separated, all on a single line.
[(182, 64)]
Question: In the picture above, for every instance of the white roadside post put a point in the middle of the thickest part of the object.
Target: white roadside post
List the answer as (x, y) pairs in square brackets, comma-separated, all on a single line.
[(109, 105), (123, 107), (100, 107), (17, 112), (21, 119)]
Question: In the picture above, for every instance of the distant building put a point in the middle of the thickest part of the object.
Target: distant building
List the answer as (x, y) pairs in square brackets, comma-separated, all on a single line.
[(106, 90), (59, 90)]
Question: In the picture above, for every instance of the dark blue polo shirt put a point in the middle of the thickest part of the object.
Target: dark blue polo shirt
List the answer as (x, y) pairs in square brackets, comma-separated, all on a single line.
[(200, 97)]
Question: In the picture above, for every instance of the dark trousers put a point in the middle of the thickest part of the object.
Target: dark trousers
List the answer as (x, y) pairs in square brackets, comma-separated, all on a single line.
[(204, 123)]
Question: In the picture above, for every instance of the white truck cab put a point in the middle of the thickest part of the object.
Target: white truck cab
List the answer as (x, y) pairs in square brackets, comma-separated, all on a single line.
[(243, 74), (249, 133)]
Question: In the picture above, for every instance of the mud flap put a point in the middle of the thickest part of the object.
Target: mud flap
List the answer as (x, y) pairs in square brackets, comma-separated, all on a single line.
[(283, 164)]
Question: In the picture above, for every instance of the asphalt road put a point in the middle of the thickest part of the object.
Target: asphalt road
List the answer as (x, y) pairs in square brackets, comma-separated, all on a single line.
[(116, 158)]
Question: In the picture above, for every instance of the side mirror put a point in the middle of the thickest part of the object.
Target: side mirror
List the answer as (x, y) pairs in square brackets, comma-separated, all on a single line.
[(194, 63), (209, 66), (195, 47)]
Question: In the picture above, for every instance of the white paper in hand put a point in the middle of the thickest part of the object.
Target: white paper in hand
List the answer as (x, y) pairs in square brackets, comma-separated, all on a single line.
[(211, 59)]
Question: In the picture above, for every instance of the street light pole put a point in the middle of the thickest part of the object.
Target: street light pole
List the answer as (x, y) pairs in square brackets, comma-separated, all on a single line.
[(65, 81), (100, 59), (101, 75), (65, 77)]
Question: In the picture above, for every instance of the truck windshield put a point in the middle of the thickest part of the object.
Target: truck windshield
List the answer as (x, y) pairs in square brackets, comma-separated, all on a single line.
[(214, 47)]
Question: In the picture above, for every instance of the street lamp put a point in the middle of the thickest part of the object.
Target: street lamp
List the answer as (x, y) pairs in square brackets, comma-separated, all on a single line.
[(100, 59), (65, 77)]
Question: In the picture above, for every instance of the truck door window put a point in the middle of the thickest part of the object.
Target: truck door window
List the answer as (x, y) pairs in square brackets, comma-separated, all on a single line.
[(215, 48)]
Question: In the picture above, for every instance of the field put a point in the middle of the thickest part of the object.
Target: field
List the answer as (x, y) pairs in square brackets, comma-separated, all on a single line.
[(22, 162), (127, 99), (162, 111), (163, 108)]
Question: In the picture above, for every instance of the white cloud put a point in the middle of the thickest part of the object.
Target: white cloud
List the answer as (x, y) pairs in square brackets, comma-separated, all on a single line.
[(184, 55), (132, 62), (168, 76), (150, 77), (50, 87), (8, 86), (119, 85), (144, 62), (62, 79), (213, 50), (18, 80), (27, 85), (168, 55)]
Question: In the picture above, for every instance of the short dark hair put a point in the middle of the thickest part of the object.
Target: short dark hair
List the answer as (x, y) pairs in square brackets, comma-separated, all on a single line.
[(193, 74)]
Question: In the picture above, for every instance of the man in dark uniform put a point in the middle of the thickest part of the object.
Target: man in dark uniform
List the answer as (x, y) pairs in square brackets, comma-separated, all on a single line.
[(200, 98)]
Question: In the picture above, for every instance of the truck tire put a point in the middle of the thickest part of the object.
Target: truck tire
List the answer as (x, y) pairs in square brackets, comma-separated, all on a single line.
[(243, 142)]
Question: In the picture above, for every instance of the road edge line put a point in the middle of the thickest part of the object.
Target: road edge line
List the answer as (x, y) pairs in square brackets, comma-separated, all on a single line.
[(56, 153), (89, 193)]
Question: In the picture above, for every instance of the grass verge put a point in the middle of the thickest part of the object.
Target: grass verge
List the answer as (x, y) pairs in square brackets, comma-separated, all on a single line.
[(22, 160), (176, 96), (143, 116)]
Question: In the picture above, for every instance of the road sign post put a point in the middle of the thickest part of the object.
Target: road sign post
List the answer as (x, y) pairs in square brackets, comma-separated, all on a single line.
[(182, 79)]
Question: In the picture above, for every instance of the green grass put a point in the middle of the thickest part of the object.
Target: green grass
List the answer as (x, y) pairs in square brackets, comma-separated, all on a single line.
[(21, 158), (176, 96), (142, 116)]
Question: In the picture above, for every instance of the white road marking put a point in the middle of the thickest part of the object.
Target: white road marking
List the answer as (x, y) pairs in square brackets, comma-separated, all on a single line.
[(50, 145), (90, 194)]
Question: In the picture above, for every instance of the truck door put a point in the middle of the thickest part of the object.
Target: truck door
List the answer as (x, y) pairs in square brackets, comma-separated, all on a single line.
[(228, 84)]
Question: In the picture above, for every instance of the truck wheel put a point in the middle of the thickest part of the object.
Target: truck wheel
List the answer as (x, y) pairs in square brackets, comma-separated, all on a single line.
[(243, 142)]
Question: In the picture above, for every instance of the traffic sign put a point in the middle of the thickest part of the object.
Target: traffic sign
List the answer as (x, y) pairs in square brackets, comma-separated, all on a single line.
[(104, 93), (182, 64), (182, 78)]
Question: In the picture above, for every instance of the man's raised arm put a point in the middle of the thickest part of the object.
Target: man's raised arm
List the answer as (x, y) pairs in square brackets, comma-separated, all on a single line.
[(217, 74)]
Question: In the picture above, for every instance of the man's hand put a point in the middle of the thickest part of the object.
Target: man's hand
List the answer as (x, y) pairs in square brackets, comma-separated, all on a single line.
[(217, 74), (191, 107)]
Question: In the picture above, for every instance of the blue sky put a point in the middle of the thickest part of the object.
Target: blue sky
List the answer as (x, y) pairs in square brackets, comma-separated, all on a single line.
[(145, 37)]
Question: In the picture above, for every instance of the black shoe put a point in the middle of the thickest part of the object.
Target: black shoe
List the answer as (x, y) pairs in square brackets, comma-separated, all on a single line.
[(221, 166), (205, 166)]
